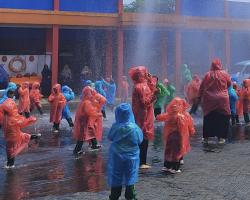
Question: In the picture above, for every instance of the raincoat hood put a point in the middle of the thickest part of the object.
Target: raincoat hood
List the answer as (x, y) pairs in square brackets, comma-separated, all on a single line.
[(216, 65), (57, 87), (66, 89), (124, 114), (35, 85), (177, 105), (98, 86), (25, 85), (87, 92), (10, 108), (138, 74), (196, 77)]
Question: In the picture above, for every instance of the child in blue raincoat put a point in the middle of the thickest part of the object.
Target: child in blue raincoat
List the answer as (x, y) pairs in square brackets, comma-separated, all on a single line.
[(69, 96), (124, 160), (110, 92), (233, 98), (11, 86), (99, 89)]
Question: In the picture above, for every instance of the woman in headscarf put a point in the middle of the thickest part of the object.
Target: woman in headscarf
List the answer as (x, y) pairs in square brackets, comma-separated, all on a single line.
[(143, 107), (215, 102), (46, 81), (4, 77)]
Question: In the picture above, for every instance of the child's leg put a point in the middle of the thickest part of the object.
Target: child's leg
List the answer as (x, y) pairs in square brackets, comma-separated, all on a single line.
[(39, 108), (168, 165), (233, 118), (94, 144), (115, 193), (27, 114), (78, 147), (70, 122), (176, 165), (237, 119), (130, 192), (143, 152), (246, 118), (104, 114), (157, 111), (10, 161)]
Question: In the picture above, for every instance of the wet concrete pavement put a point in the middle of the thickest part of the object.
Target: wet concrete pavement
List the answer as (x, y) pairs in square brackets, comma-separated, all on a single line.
[(48, 170)]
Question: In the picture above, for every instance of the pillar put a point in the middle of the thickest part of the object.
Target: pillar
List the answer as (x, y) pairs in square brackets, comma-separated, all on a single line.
[(109, 54), (56, 5), (226, 9), (55, 44), (227, 49), (163, 70), (211, 53), (178, 60), (178, 7)]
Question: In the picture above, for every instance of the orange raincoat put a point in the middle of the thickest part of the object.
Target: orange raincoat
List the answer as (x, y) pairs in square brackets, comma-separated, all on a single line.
[(87, 115), (245, 96), (24, 98), (192, 89), (57, 102), (35, 95), (143, 98), (177, 130), (12, 121)]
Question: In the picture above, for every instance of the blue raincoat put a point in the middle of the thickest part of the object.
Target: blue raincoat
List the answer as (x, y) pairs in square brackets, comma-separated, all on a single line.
[(233, 98), (234, 78), (4, 78), (11, 86), (123, 165), (69, 95), (111, 91), (100, 90)]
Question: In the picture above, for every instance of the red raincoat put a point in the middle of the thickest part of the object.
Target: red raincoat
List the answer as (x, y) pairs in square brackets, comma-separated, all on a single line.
[(16, 140), (239, 103), (245, 96), (57, 102), (192, 89), (177, 130), (35, 95), (87, 115), (125, 87), (214, 90), (99, 102), (24, 98), (143, 100)]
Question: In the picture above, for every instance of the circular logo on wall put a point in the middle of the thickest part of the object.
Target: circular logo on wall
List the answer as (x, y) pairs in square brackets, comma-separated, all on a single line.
[(4, 58), (31, 58), (17, 64)]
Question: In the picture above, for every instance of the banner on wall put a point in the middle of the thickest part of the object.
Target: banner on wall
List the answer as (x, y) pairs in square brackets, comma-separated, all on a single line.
[(23, 64)]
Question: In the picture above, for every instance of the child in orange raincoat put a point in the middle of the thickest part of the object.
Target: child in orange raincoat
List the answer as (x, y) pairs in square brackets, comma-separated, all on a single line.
[(12, 122), (35, 97), (24, 100), (177, 131), (245, 98), (85, 120), (57, 102)]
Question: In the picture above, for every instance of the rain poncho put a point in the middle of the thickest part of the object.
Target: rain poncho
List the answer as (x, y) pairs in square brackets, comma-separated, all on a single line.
[(35, 95), (24, 98), (177, 130), (124, 88), (245, 95), (233, 97), (214, 90), (239, 103), (11, 86), (4, 78), (171, 90), (124, 150), (186, 74), (161, 95), (110, 91), (57, 102), (12, 122), (192, 89), (143, 100), (87, 115), (69, 96), (99, 89)]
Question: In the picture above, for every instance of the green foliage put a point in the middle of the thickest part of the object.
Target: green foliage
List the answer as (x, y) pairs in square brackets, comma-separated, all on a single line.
[(159, 6)]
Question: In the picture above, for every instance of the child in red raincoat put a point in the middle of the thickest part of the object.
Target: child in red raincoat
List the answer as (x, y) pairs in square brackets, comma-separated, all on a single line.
[(177, 131), (12, 122), (24, 99), (86, 125), (35, 97), (57, 102), (245, 97)]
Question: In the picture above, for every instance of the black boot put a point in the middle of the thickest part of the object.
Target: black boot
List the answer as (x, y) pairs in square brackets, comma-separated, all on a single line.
[(94, 144), (70, 122), (10, 162), (78, 148)]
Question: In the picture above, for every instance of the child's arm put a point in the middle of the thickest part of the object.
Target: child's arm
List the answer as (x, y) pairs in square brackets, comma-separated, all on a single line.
[(162, 117), (23, 122), (51, 98)]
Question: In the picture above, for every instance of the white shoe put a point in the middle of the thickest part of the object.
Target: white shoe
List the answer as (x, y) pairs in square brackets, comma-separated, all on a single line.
[(221, 141), (145, 166), (9, 167), (182, 162)]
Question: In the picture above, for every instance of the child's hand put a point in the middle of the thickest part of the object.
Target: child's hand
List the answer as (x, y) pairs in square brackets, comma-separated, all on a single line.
[(32, 119)]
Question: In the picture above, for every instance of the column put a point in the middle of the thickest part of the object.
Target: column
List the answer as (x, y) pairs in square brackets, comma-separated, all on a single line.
[(178, 60), (109, 53), (55, 44), (211, 53), (56, 5), (163, 70), (120, 38), (227, 49)]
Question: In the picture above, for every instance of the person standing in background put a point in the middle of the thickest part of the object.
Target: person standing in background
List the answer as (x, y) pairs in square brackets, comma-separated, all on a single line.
[(46, 81)]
